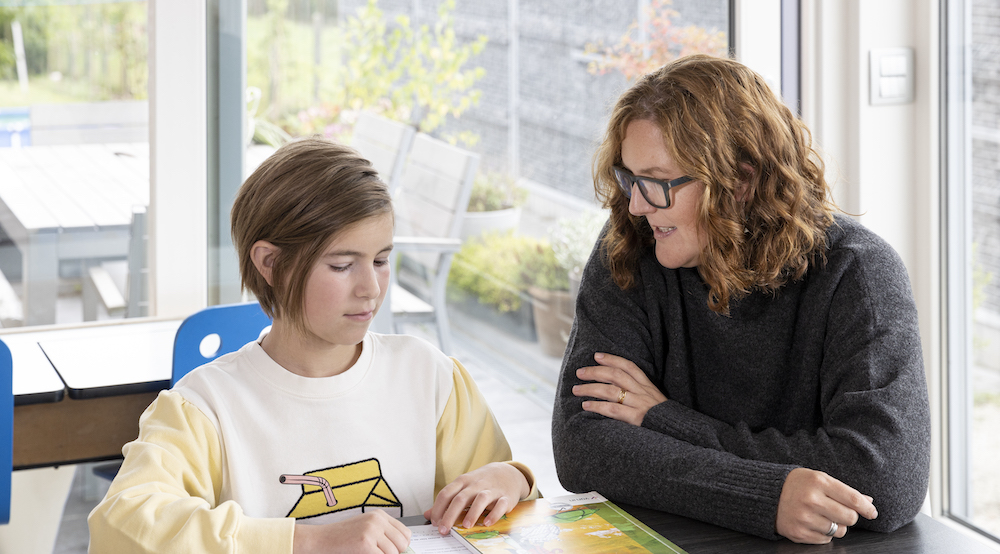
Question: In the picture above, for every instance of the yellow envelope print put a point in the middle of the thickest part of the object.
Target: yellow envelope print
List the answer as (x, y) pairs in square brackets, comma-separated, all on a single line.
[(346, 487)]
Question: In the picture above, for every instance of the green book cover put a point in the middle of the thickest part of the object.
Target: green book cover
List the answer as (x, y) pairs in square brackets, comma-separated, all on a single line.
[(575, 523)]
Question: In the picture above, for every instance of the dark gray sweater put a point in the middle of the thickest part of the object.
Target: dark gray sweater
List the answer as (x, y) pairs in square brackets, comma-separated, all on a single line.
[(826, 374)]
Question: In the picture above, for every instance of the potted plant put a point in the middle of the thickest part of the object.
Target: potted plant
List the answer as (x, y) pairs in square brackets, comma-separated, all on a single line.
[(552, 304), (573, 240), (494, 204), (486, 281)]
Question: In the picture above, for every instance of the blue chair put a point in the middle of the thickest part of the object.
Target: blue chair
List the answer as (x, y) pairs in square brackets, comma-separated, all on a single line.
[(6, 430), (233, 324)]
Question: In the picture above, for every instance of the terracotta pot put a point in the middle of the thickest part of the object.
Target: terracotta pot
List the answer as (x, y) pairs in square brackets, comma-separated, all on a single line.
[(553, 312)]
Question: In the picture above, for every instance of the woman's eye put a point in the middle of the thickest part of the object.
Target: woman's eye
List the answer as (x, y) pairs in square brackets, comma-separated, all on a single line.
[(380, 263), (339, 267)]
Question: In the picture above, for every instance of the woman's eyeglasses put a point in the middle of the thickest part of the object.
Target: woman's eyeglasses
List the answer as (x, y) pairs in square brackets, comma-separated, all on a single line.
[(655, 191)]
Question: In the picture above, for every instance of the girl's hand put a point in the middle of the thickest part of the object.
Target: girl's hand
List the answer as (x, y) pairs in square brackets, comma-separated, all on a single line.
[(811, 501), (623, 390), (373, 532), (496, 486)]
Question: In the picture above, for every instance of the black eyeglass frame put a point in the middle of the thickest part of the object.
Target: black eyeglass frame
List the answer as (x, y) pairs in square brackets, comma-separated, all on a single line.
[(622, 175)]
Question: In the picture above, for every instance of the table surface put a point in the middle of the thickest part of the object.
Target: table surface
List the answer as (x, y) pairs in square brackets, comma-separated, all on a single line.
[(34, 378), (924, 536), (107, 360), (126, 362)]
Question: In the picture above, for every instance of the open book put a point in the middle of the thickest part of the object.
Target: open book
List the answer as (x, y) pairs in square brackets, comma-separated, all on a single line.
[(575, 523)]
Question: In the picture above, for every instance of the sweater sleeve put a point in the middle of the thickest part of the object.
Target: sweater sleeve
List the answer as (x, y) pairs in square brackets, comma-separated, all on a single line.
[(875, 429), (468, 436), (165, 496), (639, 465)]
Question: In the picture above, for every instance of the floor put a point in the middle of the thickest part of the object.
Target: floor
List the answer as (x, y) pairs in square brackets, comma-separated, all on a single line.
[(521, 399)]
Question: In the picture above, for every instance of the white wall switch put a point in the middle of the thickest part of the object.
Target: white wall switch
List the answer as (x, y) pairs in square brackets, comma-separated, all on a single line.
[(891, 75)]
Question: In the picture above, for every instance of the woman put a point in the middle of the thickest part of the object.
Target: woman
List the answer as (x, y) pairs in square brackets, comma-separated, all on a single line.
[(740, 354)]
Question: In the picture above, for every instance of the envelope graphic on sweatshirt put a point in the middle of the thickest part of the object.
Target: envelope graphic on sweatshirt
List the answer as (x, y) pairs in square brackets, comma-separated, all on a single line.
[(357, 486)]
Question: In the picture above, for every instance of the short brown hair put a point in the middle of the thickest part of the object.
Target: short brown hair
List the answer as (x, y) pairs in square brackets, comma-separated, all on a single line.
[(719, 119), (299, 199)]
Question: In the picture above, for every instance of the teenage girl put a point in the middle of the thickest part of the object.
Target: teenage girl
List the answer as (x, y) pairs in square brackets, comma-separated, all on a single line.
[(316, 436)]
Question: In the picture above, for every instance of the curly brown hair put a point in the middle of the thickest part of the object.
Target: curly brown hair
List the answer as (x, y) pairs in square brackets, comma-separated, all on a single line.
[(300, 199), (766, 204)]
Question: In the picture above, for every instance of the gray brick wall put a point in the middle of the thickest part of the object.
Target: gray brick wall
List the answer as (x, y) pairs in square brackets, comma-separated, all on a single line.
[(562, 109), (986, 145)]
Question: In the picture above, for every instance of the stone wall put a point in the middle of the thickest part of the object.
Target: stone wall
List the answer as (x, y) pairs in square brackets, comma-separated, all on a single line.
[(561, 107), (986, 179)]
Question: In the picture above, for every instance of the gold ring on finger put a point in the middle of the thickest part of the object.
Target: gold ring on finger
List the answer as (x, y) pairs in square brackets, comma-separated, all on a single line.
[(621, 395)]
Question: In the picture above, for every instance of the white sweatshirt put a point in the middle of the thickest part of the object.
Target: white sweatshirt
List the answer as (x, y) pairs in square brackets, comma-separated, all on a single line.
[(241, 446)]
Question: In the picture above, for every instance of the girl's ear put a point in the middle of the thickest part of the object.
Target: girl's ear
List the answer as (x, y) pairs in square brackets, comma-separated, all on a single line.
[(263, 254)]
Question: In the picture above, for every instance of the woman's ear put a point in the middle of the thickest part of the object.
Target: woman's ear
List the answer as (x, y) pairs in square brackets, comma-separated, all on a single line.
[(263, 254)]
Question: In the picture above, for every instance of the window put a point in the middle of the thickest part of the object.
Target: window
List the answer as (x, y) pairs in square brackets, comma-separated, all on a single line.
[(529, 93), (526, 85), (973, 260), (74, 154)]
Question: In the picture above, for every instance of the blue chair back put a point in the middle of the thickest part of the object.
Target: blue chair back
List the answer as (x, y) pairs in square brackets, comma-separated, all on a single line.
[(235, 325), (6, 430)]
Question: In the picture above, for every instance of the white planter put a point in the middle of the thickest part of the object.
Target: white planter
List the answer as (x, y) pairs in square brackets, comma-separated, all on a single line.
[(476, 223)]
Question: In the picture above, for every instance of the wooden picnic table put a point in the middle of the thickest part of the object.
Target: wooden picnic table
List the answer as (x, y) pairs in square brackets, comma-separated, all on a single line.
[(68, 202)]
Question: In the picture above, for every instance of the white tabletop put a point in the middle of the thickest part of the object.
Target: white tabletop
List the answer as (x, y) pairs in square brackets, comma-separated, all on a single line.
[(107, 360), (35, 380), (74, 186)]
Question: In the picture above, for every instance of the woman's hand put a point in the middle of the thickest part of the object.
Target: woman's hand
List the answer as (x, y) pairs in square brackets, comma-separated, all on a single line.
[(373, 532), (496, 486), (811, 501), (625, 393)]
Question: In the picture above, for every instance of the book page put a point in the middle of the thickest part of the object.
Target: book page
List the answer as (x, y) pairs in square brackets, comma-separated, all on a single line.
[(426, 539), (574, 523)]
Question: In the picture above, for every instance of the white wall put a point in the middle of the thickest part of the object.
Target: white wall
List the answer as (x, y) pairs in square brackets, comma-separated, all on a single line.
[(178, 157), (758, 38), (883, 161)]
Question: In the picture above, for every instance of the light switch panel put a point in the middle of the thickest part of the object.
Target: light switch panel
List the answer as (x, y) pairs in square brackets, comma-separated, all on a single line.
[(891, 75)]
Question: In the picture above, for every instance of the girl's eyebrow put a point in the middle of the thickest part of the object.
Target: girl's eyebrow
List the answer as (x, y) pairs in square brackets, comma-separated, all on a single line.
[(353, 252)]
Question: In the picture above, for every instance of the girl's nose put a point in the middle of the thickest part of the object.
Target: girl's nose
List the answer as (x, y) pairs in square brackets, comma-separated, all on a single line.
[(368, 286)]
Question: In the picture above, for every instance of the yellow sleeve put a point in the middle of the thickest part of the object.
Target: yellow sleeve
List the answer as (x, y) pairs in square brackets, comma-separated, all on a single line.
[(165, 497), (468, 436)]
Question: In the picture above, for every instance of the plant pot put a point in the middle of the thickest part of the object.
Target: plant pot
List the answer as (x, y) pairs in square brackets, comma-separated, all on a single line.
[(475, 224), (553, 311), (518, 324)]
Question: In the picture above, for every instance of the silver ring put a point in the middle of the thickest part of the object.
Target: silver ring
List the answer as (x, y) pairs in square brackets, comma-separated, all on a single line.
[(833, 529)]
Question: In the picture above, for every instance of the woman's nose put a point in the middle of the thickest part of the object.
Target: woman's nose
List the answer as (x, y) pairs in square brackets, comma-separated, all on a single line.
[(637, 204)]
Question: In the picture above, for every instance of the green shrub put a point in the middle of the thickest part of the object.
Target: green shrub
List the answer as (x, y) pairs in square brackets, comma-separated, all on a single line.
[(498, 268), (495, 191)]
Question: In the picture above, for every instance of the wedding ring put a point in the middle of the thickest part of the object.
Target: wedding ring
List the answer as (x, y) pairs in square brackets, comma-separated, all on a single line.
[(833, 529), (621, 395)]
